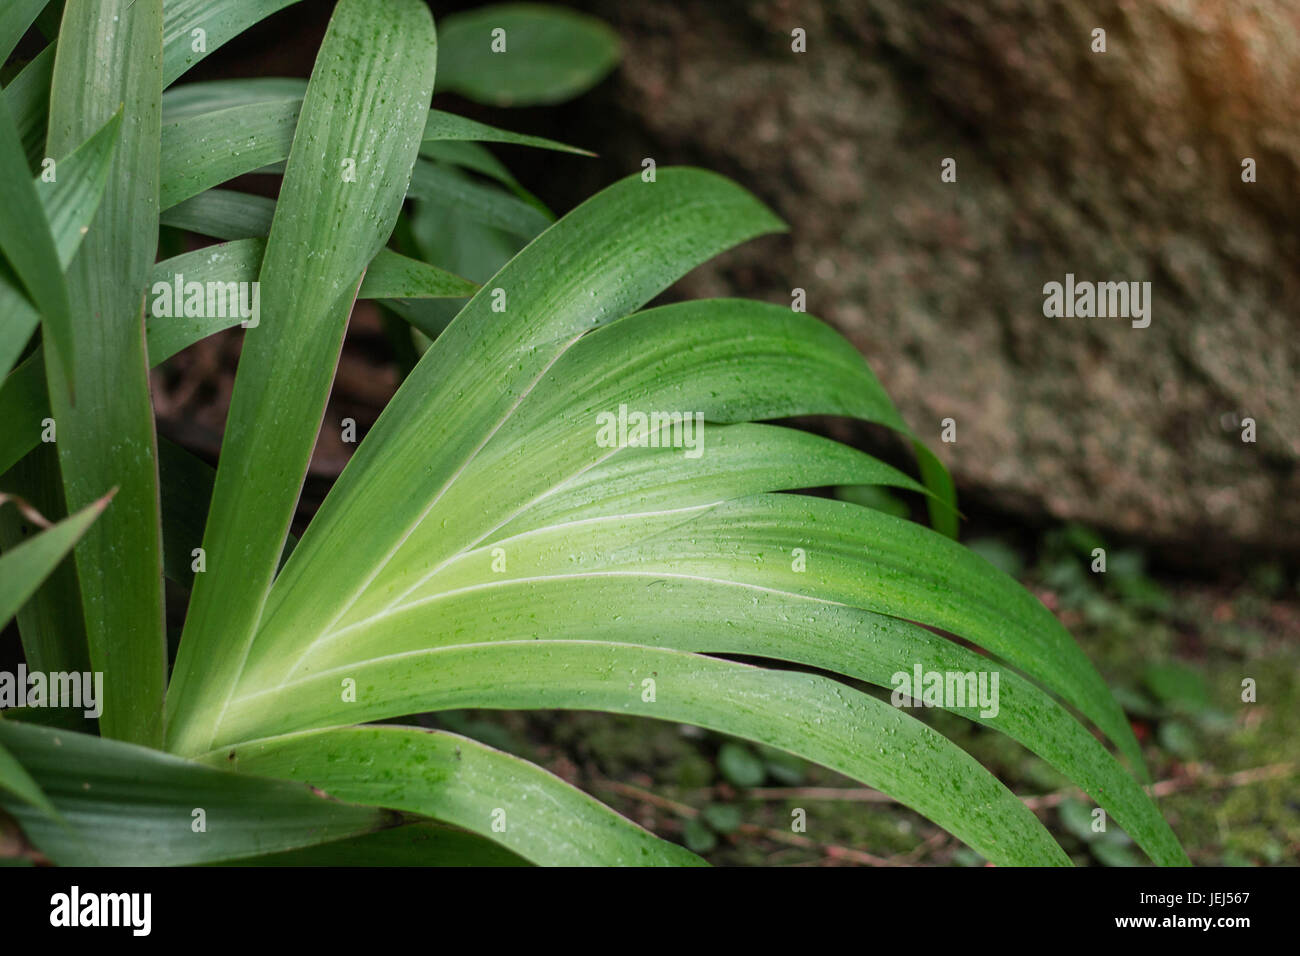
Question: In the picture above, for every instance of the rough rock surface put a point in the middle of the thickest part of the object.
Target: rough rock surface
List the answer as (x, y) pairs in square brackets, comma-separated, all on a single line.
[(1117, 166)]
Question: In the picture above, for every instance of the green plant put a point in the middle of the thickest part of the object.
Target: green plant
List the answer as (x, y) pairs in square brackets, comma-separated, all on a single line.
[(481, 549)]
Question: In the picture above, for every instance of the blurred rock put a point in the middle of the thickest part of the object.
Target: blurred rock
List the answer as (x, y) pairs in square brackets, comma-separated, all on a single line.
[(1120, 166)]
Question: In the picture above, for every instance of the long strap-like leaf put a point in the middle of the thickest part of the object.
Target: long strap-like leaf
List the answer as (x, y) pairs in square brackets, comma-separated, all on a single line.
[(50, 622), (123, 805), (110, 58), (354, 146), (817, 718), (463, 782), (15, 17), (714, 579), (29, 246), (391, 278), (15, 779), (600, 262), (25, 566), (192, 29), (206, 149), (70, 200)]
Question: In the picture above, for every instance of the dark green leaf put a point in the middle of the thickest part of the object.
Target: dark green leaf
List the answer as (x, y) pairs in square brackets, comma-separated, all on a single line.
[(550, 54)]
